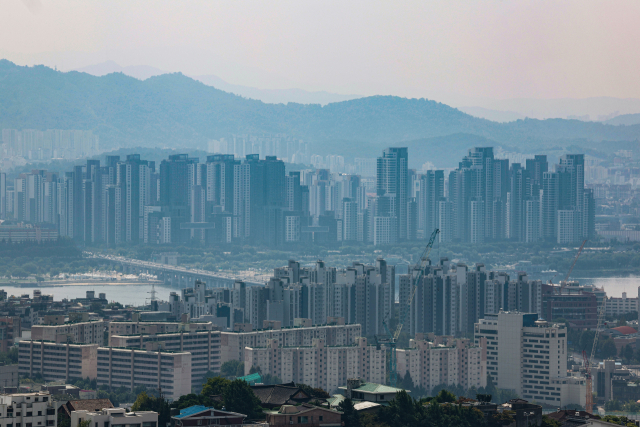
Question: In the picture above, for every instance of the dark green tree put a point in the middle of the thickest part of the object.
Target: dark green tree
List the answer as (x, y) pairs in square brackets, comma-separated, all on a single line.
[(350, 416), (238, 397), (144, 402), (232, 368), (609, 349), (187, 400), (214, 386), (549, 422)]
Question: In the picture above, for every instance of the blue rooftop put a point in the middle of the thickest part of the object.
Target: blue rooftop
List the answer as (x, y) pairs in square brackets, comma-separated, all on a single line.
[(191, 410)]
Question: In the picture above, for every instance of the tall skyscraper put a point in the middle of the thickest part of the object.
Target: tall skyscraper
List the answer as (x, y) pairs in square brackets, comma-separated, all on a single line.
[(3, 195), (392, 182), (430, 194), (177, 176)]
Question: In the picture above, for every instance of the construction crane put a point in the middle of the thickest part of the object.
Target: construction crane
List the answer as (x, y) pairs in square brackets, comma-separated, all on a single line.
[(589, 362), (566, 279), (392, 339)]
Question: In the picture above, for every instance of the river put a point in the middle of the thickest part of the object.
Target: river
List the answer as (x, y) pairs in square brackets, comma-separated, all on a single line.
[(139, 294)]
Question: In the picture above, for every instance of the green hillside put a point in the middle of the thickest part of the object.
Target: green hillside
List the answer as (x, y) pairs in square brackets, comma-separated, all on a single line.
[(173, 110)]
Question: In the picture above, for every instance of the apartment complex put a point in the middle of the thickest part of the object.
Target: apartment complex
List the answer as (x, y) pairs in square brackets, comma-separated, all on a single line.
[(233, 344), (451, 298), (252, 199), (151, 328), (204, 347), (57, 361), (527, 355), (319, 365), (164, 370), (433, 360), (28, 409), (80, 333)]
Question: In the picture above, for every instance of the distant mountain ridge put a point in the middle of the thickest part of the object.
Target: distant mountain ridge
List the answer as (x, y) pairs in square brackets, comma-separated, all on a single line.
[(173, 110), (272, 96)]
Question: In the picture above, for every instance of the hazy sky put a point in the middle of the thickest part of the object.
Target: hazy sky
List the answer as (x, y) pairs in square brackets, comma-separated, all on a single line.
[(485, 48)]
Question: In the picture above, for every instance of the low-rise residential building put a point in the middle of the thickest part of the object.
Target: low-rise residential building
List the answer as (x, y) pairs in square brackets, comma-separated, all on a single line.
[(202, 416), (56, 361), (28, 409), (164, 370), (304, 415), (358, 390), (319, 365), (434, 360), (234, 343), (204, 347), (115, 417), (90, 405), (81, 332)]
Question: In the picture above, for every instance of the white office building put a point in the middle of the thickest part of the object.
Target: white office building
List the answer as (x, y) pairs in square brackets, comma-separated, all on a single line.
[(527, 355)]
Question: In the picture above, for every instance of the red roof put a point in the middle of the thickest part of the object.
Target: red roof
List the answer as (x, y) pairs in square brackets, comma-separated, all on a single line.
[(625, 330)]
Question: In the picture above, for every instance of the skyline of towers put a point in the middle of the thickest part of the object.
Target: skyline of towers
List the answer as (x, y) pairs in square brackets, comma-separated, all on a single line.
[(255, 201)]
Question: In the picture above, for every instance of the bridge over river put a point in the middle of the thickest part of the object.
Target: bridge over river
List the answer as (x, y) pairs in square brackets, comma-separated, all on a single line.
[(177, 276)]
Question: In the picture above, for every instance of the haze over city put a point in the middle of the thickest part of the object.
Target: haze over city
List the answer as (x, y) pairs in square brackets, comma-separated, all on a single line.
[(319, 213), (461, 53)]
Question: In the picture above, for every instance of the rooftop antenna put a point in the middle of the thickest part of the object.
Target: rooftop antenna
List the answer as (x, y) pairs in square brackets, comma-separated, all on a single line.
[(153, 292)]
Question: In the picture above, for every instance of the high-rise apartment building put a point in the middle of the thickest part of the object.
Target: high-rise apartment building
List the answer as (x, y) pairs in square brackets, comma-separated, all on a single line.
[(525, 354), (168, 371), (392, 184), (319, 365), (432, 360), (57, 361)]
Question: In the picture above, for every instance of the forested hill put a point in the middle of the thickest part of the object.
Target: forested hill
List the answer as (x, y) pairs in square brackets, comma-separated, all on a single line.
[(174, 110)]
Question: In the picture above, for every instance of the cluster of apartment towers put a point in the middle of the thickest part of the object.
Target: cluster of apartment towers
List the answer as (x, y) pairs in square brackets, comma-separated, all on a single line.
[(255, 201)]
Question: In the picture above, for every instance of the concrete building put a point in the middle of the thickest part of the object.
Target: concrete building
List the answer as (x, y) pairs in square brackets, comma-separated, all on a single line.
[(526, 355), (198, 415), (304, 415), (56, 361), (204, 347), (10, 331), (433, 360), (28, 409), (9, 376), (619, 306), (363, 391), (165, 370), (233, 344), (319, 365), (114, 417), (79, 333), (152, 328)]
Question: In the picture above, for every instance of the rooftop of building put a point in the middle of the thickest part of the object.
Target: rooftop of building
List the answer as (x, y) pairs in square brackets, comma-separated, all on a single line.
[(196, 409), (165, 333), (118, 412), (375, 388), (624, 330), (71, 344), (299, 409), (289, 328)]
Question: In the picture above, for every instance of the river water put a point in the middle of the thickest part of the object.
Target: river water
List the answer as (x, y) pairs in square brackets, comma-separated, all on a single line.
[(129, 294), (138, 294)]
